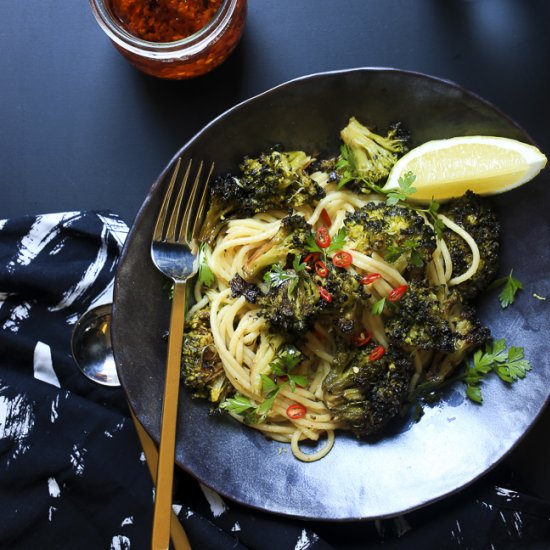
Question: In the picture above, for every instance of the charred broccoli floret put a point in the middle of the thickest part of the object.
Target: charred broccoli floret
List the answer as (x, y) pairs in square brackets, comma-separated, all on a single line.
[(290, 239), (435, 318), (397, 233), (201, 367), (367, 158), (292, 302), (476, 217), (273, 181), (366, 393)]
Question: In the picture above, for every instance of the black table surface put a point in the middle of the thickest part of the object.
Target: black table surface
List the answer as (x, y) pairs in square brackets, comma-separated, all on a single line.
[(81, 129)]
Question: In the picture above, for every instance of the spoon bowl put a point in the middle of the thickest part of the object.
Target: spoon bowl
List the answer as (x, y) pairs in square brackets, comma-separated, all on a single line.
[(91, 346)]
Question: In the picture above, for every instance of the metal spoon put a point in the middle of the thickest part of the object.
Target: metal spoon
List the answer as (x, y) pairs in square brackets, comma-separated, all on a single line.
[(93, 354), (91, 346)]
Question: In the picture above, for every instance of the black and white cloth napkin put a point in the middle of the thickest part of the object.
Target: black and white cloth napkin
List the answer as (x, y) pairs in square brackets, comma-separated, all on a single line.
[(72, 472)]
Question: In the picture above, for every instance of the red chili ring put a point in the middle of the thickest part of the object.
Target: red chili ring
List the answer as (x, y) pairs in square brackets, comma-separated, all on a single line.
[(321, 269), (322, 237), (326, 218), (369, 279), (361, 340), (376, 353), (342, 259), (397, 293), (296, 411), (325, 294)]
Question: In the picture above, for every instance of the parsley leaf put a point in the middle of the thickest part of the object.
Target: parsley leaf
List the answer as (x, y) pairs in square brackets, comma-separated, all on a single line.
[(287, 359), (206, 275), (508, 364), (277, 276), (337, 242), (311, 244), (395, 252), (508, 293), (298, 265), (405, 189), (237, 404), (378, 307)]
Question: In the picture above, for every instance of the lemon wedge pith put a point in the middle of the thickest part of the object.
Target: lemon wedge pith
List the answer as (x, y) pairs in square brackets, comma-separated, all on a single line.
[(486, 165)]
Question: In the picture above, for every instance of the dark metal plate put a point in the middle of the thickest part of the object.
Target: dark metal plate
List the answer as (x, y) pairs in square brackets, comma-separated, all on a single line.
[(456, 441)]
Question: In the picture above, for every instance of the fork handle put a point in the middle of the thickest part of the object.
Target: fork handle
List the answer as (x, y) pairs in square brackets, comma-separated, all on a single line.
[(165, 468)]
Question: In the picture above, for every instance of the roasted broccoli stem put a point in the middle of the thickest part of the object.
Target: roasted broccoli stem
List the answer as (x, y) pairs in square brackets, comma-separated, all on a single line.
[(435, 318), (277, 180), (289, 240), (201, 367), (397, 233), (476, 217), (365, 393), (367, 158)]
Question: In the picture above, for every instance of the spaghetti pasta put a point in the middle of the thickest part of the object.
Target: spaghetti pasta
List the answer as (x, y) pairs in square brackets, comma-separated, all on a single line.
[(292, 402)]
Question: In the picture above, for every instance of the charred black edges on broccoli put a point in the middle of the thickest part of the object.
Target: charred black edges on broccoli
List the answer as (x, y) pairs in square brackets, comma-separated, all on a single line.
[(365, 394), (397, 233), (201, 367), (435, 318), (293, 305), (273, 181), (476, 217)]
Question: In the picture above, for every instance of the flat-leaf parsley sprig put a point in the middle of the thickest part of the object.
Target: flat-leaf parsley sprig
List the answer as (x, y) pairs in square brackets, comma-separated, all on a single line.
[(508, 293), (287, 359), (509, 364)]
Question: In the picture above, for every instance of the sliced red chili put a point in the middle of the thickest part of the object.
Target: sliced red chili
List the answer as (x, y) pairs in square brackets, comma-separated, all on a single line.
[(376, 353), (361, 340), (325, 294), (397, 293), (322, 238), (342, 259), (296, 411), (326, 218), (370, 278), (321, 269)]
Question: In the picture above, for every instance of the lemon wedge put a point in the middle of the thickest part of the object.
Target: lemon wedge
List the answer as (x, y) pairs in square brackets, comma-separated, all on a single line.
[(486, 165)]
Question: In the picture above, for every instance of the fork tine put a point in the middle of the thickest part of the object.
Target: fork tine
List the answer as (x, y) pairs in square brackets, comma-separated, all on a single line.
[(197, 222), (161, 218), (190, 211), (171, 231)]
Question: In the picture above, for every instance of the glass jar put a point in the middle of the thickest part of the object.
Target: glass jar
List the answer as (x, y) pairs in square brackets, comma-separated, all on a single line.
[(186, 58)]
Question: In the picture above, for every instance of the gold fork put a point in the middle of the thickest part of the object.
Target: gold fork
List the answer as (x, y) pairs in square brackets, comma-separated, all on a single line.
[(174, 253)]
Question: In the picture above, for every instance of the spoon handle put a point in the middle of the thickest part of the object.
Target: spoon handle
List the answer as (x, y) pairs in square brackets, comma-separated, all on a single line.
[(177, 533)]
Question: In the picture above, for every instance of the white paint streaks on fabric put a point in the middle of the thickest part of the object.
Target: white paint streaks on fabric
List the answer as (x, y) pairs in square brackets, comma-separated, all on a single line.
[(51, 510), (176, 508), (507, 493), (16, 423), (217, 505), (306, 540), (2, 224), (43, 366), (54, 415), (117, 228), (19, 313), (87, 279), (44, 229), (236, 528), (127, 521), (120, 542), (53, 488), (77, 459)]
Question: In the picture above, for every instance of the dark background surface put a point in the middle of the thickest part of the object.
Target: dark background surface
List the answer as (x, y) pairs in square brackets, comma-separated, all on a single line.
[(82, 129)]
